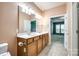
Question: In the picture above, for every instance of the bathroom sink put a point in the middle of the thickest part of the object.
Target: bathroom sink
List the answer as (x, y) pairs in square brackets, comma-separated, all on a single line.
[(24, 35), (34, 33), (29, 35)]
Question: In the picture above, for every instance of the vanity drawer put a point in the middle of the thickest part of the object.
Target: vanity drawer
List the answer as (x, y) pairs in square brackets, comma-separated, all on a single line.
[(30, 40), (40, 36), (36, 38), (21, 40)]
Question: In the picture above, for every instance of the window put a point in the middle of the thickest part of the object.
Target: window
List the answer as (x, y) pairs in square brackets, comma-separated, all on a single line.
[(58, 28), (26, 25), (33, 26), (62, 28)]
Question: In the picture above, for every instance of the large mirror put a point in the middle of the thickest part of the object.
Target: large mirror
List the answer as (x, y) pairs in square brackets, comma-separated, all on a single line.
[(27, 22)]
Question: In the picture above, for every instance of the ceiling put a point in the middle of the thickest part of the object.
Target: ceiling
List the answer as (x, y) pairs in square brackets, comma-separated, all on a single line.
[(47, 5)]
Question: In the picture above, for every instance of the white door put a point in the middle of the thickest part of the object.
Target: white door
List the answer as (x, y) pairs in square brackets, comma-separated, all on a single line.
[(66, 31)]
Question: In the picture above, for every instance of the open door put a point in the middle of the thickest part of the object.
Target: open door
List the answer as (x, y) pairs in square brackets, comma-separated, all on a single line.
[(58, 27)]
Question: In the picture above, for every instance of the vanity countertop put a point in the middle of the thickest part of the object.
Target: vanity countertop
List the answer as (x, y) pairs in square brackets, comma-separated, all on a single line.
[(26, 36)]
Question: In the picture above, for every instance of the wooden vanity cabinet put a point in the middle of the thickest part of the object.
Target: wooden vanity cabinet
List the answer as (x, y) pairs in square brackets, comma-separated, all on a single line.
[(32, 46), (47, 38), (44, 40), (29, 41), (40, 44), (20, 49), (32, 49)]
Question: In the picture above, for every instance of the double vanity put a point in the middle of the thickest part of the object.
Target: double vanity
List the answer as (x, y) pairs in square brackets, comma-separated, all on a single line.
[(31, 44)]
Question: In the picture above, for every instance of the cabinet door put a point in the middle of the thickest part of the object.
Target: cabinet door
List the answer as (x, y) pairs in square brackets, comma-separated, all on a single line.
[(46, 36), (32, 49), (21, 50), (40, 44), (44, 40)]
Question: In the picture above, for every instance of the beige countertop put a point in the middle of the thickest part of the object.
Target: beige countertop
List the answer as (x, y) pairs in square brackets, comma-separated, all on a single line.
[(33, 34)]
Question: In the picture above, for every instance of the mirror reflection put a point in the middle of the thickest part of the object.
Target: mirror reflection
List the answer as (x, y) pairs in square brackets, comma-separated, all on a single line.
[(27, 21)]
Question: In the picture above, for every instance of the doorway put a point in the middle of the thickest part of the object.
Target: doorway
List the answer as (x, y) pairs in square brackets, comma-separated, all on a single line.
[(57, 29)]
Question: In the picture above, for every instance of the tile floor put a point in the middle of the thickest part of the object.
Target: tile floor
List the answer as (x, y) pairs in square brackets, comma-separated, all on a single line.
[(55, 49)]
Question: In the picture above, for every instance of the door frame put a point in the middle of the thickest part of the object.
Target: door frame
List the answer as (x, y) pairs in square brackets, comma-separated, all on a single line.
[(65, 22), (75, 29)]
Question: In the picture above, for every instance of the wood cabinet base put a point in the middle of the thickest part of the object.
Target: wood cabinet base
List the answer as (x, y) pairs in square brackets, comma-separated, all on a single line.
[(32, 46)]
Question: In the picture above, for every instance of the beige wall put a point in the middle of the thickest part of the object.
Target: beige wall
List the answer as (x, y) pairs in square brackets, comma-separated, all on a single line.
[(52, 12), (60, 10), (63, 9), (9, 24)]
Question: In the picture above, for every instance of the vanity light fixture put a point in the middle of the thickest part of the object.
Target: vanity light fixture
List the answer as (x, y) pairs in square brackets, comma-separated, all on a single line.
[(26, 10), (38, 16), (29, 11), (23, 10), (32, 11)]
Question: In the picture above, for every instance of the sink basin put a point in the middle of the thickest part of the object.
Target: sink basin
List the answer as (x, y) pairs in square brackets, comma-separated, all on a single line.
[(28, 35), (34, 33), (22, 35)]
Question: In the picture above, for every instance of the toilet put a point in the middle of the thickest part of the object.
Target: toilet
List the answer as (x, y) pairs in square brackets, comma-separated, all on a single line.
[(4, 49)]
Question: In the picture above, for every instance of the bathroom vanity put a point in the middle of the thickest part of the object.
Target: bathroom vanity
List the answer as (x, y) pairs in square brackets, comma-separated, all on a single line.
[(32, 44)]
